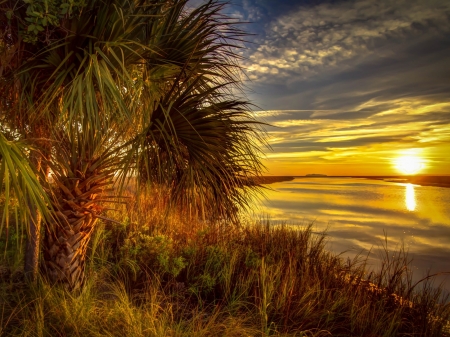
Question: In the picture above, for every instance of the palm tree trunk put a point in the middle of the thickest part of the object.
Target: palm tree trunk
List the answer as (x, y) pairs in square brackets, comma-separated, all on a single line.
[(65, 250), (31, 262), (65, 242), (32, 249), (39, 160)]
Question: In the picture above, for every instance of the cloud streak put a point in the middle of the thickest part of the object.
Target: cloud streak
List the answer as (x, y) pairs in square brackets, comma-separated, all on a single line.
[(373, 139), (317, 38)]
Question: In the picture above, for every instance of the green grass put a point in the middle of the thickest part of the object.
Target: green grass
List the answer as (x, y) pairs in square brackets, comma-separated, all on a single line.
[(162, 276)]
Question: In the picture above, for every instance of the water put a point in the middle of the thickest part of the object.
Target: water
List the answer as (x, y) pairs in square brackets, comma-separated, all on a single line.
[(358, 213)]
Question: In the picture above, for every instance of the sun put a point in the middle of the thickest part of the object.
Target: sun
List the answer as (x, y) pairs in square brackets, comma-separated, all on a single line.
[(409, 164)]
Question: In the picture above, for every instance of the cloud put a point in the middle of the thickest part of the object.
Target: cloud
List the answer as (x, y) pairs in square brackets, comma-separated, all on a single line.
[(314, 39), (379, 136)]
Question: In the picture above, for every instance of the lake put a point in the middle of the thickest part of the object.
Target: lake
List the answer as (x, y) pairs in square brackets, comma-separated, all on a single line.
[(357, 213)]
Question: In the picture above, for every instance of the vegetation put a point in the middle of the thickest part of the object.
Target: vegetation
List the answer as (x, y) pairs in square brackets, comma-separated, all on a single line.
[(95, 92), (162, 276), (123, 143)]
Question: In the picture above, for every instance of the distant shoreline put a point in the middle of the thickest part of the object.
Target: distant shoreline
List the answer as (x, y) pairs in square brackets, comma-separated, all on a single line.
[(437, 181), (266, 180)]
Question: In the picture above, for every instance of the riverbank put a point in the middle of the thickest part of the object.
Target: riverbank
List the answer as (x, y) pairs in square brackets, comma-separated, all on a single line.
[(265, 180), (167, 276), (438, 181)]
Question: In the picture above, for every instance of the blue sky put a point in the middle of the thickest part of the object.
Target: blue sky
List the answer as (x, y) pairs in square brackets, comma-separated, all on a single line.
[(349, 86)]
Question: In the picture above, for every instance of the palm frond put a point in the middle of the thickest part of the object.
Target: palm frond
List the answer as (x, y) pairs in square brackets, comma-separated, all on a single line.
[(204, 146), (19, 184)]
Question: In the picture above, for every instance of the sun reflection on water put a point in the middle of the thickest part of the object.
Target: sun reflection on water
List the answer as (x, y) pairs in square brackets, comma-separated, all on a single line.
[(410, 197)]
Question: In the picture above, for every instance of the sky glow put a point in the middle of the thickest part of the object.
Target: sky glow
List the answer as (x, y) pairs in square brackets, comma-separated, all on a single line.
[(348, 86)]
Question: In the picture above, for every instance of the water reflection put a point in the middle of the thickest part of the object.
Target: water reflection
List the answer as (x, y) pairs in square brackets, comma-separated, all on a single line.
[(410, 197), (357, 213)]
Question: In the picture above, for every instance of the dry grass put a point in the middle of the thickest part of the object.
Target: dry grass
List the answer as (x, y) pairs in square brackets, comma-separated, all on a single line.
[(160, 275)]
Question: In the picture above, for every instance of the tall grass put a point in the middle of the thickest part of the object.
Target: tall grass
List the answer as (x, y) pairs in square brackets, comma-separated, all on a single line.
[(160, 275)]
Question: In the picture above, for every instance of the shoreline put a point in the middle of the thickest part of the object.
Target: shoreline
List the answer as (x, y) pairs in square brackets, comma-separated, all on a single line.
[(436, 181), (266, 180)]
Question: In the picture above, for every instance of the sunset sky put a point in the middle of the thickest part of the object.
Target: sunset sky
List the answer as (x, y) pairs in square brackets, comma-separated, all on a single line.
[(350, 87)]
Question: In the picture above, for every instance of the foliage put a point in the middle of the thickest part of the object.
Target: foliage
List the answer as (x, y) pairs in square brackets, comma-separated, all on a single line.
[(261, 279), (19, 183), (155, 252), (45, 15), (101, 93)]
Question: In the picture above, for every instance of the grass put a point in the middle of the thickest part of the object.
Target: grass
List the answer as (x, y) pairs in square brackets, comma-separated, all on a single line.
[(160, 275)]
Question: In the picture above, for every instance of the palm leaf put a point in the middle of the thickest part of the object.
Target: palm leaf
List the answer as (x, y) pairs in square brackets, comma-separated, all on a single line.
[(19, 183)]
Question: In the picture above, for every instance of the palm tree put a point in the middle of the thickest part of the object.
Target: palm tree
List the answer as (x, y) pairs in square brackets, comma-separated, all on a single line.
[(104, 91)]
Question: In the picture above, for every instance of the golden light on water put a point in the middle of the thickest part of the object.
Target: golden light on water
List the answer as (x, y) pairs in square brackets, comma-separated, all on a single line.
[(409, 164), (410, 197)]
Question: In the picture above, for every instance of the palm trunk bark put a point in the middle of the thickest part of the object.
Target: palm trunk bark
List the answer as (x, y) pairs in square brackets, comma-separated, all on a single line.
[(38, 159), (65, 249), (32, 249), (66, 241)]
